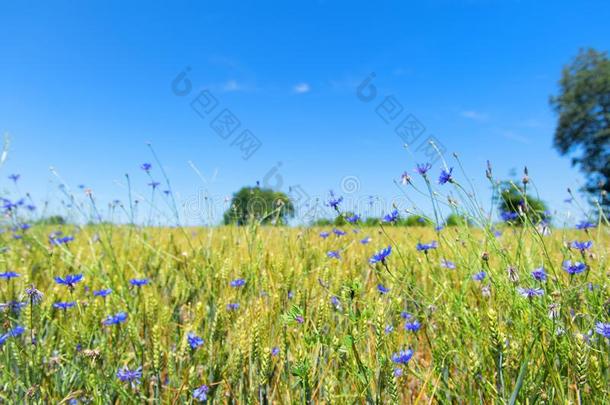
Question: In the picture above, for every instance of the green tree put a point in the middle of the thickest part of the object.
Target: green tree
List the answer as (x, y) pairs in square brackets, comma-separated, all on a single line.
[(583, 129), (514, 200), (254, 204)]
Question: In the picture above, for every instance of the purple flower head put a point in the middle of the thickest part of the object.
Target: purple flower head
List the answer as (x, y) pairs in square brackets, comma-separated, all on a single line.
[(539, 274), (146, 167), (238, 282), (233, 306), (324, 235), (448, 264), (413, 326), (201, 393), (424, 247), (380, 256), (130, 376), (366, 240), (405, 315), (334, 254), (584, 225), (391, 217), (382, 289), (603, 329), (115, 319), (573, 267), (154, 184), (14, 177), (397, 372), (138, 282), (402, 357), (334, 202), (69, 280), (275, 351), (445, 176), (63, 305), (405, 178), (16, 331), (63, 240), (582, 246), (480, 276), (299, 319), (194, 340), (9, 274), (530, 292), (102, 293), (423, 168), (338, 232), (353, 219), (508, 216)]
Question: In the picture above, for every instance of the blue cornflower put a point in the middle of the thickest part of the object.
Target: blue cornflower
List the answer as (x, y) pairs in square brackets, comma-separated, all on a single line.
[(64, 240), (324, 234), (33, 294), (382, 289), (391, 217), (530, 292), (14, 177), (413, 326), (334, 202), (582, 246), (9, 274), (389, 329), (299, 319), (154, 184), (397, 372), (69, 280), (402, 357), (423, 168), (381, 255), (445, 176), (539, 274), (15, 306), (130, 376), (201, 393), (480, 276), (584, 225), (102, 293), (234, 306), (353, 219), (64, 305), (16, 331), (405, 315), (366, 240), (146, 167), (508, 216), (335, 302), (115, 319), (424, 247), (574, 268), (239, 282), (138, 282), (334, 254), (405, 178), (448, 264), (603, 329), (338, 232), (194, 340), (275, 351)]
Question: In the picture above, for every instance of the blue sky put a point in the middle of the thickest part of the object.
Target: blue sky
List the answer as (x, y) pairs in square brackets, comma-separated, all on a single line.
[(83, 87)]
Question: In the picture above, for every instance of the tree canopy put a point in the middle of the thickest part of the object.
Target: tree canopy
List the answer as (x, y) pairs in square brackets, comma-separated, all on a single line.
[(583, 129), (262, 205)]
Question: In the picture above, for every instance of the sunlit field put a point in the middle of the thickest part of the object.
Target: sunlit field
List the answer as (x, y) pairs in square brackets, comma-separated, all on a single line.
[(260, 314)]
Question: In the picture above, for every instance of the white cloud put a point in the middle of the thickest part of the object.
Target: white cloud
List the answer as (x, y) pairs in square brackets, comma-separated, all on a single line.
[(516, 137), (232, 85), (302, 88), (474, 115)]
